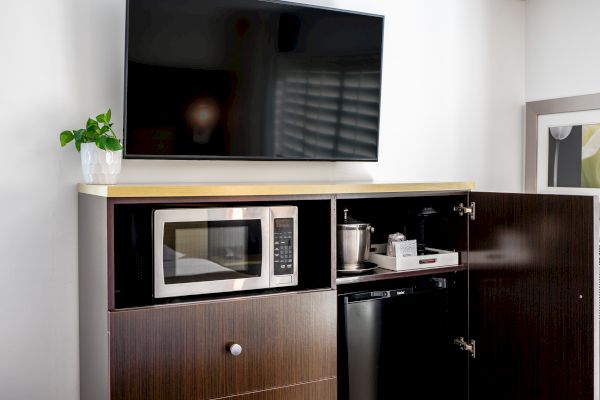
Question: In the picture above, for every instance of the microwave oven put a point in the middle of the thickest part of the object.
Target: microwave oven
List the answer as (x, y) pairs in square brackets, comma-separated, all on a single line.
[(216, 250)]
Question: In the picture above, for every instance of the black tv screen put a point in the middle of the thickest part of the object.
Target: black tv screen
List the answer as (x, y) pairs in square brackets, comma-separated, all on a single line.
[(250, 79)]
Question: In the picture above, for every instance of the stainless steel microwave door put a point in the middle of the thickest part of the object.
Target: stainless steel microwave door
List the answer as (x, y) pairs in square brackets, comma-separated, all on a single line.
[(210, 250)]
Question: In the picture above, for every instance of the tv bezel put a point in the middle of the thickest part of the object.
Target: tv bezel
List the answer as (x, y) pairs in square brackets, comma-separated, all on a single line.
[(126, 155)]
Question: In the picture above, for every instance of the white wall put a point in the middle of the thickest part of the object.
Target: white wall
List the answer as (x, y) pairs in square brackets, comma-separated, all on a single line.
[(453, 90), (563, 38)]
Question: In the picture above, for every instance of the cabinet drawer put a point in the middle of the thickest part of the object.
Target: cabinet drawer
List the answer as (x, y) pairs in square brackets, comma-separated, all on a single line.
[(321, 390), (181, 352)]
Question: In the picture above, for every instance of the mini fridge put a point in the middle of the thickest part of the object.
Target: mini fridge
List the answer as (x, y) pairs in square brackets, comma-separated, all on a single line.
[(396, 344)]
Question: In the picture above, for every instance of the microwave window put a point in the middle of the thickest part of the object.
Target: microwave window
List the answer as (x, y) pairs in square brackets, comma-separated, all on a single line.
[(211, 251)]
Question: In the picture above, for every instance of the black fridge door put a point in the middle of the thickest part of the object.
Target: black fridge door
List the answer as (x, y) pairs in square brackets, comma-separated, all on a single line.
[(398, 343), (532, 271)]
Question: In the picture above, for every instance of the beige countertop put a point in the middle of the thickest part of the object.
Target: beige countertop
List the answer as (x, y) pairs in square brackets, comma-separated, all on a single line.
[(265, 189)]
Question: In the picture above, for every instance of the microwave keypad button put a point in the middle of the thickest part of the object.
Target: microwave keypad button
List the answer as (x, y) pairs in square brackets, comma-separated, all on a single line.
[(283, 280), (283, 248)]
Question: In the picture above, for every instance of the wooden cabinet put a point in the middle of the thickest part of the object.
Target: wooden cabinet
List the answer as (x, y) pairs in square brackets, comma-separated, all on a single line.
[(529, 292), (181, 352), (525, 290), (135, 346), (532, 287)]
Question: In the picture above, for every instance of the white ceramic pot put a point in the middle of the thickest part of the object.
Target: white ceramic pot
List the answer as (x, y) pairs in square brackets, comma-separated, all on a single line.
[(100, 167)]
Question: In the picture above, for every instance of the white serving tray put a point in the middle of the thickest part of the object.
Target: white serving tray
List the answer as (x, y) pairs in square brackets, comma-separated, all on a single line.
[(441, 258)]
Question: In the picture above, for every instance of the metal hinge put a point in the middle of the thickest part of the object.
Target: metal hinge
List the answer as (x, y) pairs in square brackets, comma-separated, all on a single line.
[(462, 210), (470, 347)]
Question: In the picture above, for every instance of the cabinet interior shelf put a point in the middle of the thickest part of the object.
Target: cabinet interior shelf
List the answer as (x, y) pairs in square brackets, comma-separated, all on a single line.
[(380, 274)]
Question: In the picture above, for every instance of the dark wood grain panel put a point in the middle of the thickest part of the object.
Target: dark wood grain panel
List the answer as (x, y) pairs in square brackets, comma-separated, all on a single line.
[(531, 271), (374, 195), (320, 390), (215, 199), (181, 352)]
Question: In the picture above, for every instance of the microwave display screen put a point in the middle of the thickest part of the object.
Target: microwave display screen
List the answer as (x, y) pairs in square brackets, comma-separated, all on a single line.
[(283, 223), (211, 250)]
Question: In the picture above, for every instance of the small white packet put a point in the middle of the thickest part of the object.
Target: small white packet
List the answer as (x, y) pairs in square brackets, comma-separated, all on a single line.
[(405, 248)]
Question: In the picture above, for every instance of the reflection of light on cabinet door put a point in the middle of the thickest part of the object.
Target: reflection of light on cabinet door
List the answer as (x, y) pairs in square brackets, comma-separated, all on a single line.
[(508, 247)]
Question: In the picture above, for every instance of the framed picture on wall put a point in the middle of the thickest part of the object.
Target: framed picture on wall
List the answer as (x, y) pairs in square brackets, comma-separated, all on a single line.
[(562, 145)]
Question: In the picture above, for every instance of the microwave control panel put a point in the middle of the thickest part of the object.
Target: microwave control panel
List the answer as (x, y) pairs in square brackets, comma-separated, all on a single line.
[(283, 246)]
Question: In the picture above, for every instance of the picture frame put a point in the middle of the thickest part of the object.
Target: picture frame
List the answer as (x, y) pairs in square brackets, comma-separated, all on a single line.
[(546, 169)]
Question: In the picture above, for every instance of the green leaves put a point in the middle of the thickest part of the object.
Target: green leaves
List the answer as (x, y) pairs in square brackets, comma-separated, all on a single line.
[(104, 118), (66, 137), (78, 134), (113, 144), (108, 143), (91, 123), (97, 131)]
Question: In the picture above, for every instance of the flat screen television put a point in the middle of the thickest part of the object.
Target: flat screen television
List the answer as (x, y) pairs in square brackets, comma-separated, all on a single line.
[(251, 79)]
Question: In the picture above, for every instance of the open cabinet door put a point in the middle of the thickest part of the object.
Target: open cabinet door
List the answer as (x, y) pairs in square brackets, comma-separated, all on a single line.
[(532, 286)]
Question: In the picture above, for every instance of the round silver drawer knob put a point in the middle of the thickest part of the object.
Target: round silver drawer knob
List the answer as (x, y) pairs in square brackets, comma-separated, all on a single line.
[(235, 349)]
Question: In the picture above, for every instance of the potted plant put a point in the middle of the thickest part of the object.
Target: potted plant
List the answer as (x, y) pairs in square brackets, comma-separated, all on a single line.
[(100, 148)]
